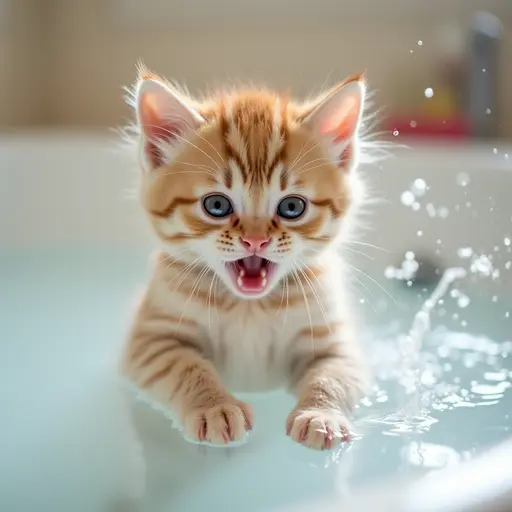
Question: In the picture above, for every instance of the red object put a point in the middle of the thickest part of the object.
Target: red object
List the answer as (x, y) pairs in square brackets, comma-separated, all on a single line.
[(421, 126)]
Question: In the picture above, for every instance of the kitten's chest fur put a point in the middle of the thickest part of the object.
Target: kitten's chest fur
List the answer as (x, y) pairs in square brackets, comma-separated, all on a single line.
[(249, 347)]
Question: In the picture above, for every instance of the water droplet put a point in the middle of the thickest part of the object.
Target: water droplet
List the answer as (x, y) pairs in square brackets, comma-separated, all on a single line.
[(495, 151), (419, 233), (463, 179), (409, 255), (484, 70), (506, 156), (495, 298), (431, 211), (468, 204), (396, 133), (429, 92), (411, 51), (362, 301), (443, 212), (482, 265), (463, 301), (464, 323), (488, 111), (454, 293), (507, 314), (455, 316), (390, 273), (464, 252), (413, 124), (496, 248), (439, 241), (420, 43), (506, 241), (419, 187), (508, 265), (416, 206), (407, 198)]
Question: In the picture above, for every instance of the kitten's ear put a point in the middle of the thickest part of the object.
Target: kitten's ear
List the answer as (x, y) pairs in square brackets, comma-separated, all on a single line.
[(163, 116), (337, 117)]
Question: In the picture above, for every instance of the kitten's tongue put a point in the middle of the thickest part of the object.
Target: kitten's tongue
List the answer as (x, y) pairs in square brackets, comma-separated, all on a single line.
[(252, 265), (252, 274)]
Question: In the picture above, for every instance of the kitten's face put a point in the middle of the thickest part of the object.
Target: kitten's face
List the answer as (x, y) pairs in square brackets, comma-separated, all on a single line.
[(249, 190)]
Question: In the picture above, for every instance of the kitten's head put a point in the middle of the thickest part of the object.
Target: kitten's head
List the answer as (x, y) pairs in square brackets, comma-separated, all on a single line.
[(249, 183)]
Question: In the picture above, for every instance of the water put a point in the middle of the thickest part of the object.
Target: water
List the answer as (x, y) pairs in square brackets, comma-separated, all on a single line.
[(67, 439)]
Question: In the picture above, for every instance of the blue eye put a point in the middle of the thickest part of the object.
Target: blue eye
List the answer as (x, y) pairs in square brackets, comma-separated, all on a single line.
[(217, 205), (291, 207)]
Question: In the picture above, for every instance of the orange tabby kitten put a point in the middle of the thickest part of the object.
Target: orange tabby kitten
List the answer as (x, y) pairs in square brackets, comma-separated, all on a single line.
[(250, 194)]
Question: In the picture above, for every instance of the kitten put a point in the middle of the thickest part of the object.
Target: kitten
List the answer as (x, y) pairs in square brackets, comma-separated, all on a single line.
[(250, 194)]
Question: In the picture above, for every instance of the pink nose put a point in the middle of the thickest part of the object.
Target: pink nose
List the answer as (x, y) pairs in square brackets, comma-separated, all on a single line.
[(254, 244)]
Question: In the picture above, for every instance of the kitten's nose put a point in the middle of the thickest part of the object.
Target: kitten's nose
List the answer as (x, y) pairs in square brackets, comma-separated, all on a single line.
[(254, 244)]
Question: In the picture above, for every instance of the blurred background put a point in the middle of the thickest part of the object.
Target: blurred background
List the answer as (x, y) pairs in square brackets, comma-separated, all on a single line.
[(64, 61)]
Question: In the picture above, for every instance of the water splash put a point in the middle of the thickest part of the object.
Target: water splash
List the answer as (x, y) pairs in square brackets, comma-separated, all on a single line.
[(429, 92), (419, 187), (482, 265), (412, 416)]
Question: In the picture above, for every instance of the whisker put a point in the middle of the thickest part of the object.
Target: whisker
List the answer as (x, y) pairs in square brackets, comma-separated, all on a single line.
[(204, 168), (358, 252), (297, 280), (286, 286), (185, 272), (176, 135), (211, 145), (368, 290), (199, 149), (297, 158), (308, 151), (209, 300), (312, 168), (317, 297), (216, 280), (321, 159), (366, 244), (373, 280), (195, 285), (176, 257)]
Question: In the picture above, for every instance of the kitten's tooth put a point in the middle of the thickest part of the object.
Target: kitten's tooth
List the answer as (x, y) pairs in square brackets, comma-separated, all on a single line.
[(242, 273), (264, 283), (263, 272), (239, 281)]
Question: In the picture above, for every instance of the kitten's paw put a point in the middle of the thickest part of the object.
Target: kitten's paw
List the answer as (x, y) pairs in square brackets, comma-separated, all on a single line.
[(219, 423), (320, 429)]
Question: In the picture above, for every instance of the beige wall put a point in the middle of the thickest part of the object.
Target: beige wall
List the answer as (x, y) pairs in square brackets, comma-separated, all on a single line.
[(67, 63)]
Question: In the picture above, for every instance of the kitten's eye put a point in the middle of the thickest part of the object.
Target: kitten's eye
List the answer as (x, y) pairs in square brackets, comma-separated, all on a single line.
[(217, 205), (291, 207)]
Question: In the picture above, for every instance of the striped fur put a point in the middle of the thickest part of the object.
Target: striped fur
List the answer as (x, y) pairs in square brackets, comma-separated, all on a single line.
[(194, 340)]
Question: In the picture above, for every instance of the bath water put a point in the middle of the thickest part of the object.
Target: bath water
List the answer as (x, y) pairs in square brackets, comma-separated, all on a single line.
[(71, 439)]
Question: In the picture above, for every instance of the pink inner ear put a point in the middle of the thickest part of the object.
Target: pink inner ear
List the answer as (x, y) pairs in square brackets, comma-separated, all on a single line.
[(342, 123), (155, 126)]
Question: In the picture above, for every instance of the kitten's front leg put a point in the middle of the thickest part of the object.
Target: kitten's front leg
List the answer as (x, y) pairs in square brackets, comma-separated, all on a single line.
[(328, 378), (169, 365)]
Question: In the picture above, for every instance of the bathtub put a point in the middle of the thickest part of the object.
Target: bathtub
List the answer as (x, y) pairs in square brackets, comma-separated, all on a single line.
[(73, 247)]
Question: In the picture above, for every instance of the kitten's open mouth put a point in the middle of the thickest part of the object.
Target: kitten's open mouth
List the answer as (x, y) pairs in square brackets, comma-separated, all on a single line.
[(251, 275)]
